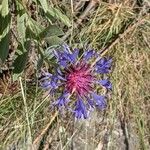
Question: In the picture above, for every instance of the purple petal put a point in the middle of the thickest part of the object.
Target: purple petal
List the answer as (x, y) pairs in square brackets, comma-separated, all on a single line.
[(65, 56), (61, 101), (103, 65), (63, 63), (73, 57), (91, 103), (54, 82), (49, 81), (106, 83), (62, 58), (80, 109), (88, 54), (45, 85), (45, 76), (100, 101)]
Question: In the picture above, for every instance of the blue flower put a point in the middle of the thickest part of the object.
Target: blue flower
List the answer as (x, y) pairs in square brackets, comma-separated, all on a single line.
[(80, 109), (75, 77), (103, 65), (106, 83)]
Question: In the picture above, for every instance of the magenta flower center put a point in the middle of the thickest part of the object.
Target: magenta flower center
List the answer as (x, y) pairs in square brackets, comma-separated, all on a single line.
[(79, 79)]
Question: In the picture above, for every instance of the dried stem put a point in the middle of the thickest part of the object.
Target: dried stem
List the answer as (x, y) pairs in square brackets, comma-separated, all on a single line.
[(120, 36), (91, 5), (37, 141)]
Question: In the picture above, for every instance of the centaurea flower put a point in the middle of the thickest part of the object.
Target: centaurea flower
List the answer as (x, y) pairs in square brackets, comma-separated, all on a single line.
[(78, 81)]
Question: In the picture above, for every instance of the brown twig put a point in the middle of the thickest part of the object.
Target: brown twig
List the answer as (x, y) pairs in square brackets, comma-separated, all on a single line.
[(91, 5), (37, 141), (49, 140)]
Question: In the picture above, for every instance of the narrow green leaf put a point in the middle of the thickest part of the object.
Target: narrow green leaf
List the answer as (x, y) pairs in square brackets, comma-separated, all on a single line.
[(53, 40), (4, 9), (4, 26), (4, 47), (34, 27), (20, 62), (44, 5), (39, 63), (58, 15), (19, 6), (4, 30), (21, 28), (21, 58), (51, 31)]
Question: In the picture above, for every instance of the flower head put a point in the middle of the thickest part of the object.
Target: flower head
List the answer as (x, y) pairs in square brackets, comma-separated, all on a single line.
[(78, 80)]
